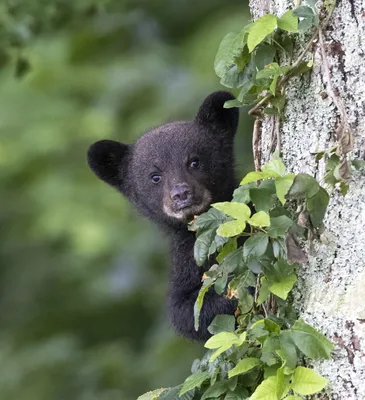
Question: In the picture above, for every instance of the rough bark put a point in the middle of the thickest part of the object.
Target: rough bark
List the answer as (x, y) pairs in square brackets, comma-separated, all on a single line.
[(330, 293)]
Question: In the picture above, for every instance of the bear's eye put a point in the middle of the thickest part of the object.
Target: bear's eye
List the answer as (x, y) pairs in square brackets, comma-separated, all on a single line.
[(195, 163), (156, 178)]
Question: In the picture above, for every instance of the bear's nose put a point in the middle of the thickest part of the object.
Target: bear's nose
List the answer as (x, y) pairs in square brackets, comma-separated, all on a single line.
[(181, 195)]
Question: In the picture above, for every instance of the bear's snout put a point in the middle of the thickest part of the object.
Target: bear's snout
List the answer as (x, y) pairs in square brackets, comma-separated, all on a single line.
[(182, 195)]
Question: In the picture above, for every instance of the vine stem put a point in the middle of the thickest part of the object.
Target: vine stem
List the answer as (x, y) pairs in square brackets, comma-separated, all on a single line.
[(344, 131), (256, 140), (286, 77), (260, 103)]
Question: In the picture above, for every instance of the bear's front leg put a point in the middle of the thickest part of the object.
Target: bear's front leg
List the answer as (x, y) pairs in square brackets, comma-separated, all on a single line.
[(181, 310)]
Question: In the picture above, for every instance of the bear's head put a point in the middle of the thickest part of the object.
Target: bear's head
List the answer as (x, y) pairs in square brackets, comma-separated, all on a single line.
[(177, 170)]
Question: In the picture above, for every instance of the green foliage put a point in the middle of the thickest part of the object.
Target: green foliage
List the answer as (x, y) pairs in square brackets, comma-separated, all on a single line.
[(151, 395), (82, 287), (307, 381), (254, 62), (338, 168), (259, 357)]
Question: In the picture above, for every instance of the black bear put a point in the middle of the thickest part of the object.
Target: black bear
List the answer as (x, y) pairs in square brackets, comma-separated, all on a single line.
[(171, 174)]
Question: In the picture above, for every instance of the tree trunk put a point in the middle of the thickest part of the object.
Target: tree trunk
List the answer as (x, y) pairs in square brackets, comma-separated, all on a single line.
[(330, 293)]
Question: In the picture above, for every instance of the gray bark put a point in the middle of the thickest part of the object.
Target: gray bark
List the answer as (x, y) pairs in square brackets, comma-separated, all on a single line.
[(330, 293)]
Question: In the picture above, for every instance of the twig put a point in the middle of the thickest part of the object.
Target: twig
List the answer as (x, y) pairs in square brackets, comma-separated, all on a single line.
[(285, 78), (264, 309), (277, 133), (326, 72), (257, 288), (273, 135), (256, 139), (344, 135), (259, 104)]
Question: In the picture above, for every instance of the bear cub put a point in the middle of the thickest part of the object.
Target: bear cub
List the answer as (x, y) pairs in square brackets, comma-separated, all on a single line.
[(171, 174)]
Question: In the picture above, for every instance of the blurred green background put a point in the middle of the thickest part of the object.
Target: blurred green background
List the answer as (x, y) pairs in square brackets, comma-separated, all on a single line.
[(82, 277)]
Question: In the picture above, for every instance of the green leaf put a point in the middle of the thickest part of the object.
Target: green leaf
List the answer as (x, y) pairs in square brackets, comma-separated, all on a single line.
[(306, 381), (242, 194), (265, 54), (282, 288), (260, 218), (151, 395), (279, 226), (232, 104), (234, 79), (264, 291), (255, 245), (266, 390), (278, 102), (260, 29), (241, 395), (275, 167), (262, 198), (270, 111), (227, 248), (221, 283), (269, 71), (304, 187), (304, 12), (277, 272), (243, 280), (344, 188), (207, 283), (246, 87), (358, 164), (239, 211), (256, 176), (193, 381), (307, 17), (246, 301), (221, 339), (269, 348), (278, 248), (222, 342), (232, 261), (244, 365), (202, 245), (273, 85), (231, 228), (288, 45), (271, 326), (282, 382), (310, 342), (281, 278), (230, 47), (293, 398), (222, 323), (288, 22), (306, 24), (210, 219), (216, 390), (288, 348), (282, 185), (317, 206), (242, 60), (173, 394)]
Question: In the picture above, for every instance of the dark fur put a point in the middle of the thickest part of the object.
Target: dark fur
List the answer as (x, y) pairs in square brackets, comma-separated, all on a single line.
[(168, 151)]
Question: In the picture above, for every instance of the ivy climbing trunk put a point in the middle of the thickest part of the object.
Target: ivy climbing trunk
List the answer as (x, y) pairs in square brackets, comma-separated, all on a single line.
[(326, 108)]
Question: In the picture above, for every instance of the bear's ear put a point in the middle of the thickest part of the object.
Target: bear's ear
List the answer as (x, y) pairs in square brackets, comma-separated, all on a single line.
[(212, 112), (107, 160)]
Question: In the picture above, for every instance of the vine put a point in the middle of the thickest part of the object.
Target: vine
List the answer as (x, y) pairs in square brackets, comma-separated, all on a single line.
[(258, 354)]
